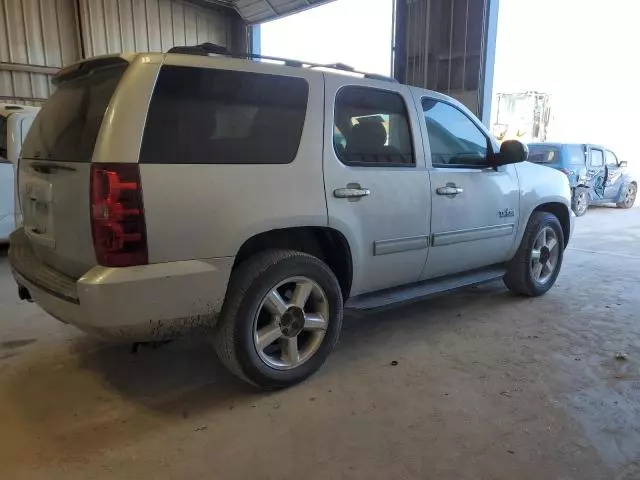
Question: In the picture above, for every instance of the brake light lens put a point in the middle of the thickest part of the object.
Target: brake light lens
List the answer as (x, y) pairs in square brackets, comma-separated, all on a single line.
[(117, 215)]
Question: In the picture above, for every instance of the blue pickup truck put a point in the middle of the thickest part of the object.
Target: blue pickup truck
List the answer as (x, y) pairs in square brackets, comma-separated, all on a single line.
[(596, 175)]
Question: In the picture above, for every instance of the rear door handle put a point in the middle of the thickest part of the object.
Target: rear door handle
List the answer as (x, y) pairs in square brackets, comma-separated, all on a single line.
[(351, 192), (449, 190)]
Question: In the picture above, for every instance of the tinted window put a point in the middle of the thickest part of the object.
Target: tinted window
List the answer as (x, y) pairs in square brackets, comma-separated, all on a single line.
[(202, 115), (597, 158), (455, 140), (3, 140), (611, 159), (67, 126), (372, 128), (576, 154), (543, 154)]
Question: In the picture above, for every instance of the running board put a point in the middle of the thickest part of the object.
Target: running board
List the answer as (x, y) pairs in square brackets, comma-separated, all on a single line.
[(417, 291)]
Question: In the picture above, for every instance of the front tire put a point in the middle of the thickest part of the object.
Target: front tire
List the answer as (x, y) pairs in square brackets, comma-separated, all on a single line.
[(536, 265), (580, 201), (629, 196), (281, 318)]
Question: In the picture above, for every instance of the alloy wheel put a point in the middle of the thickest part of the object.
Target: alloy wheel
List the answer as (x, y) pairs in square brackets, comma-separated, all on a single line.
[(581, 202), (630, 196), (544, 255), (291, 323)]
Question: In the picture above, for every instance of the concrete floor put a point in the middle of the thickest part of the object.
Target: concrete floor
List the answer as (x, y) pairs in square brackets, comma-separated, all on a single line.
[(487, 386)]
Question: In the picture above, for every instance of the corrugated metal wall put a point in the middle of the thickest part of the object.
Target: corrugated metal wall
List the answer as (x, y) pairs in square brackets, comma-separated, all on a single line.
[(111, 26), (257, 11), (34, 32), (443, 45), (39, 36)]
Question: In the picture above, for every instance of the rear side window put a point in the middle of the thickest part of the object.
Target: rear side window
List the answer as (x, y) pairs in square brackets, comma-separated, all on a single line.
[(597, 158), (67, 126), (576, 155), (202, 116), (543, 154), (372, 128)]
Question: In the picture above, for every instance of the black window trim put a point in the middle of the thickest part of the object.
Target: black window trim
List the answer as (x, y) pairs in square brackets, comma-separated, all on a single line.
[(447, 166), (4, 149), (370, 164)]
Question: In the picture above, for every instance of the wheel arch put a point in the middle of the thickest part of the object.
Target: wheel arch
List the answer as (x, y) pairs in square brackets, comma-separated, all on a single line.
[(561, 212), (325, 243), (628, 181)]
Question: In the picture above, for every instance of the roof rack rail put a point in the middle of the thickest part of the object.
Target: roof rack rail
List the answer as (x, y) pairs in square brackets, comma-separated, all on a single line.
[(206, 49)]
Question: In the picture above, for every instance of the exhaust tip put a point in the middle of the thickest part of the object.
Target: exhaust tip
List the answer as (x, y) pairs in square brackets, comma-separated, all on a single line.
[(23, 294)]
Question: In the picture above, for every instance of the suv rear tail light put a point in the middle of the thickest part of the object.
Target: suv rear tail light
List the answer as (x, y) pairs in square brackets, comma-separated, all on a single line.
[(566, 171), (117, 215)]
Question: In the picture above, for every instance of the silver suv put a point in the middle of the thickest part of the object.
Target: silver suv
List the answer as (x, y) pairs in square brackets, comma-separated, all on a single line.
[(163, 193)]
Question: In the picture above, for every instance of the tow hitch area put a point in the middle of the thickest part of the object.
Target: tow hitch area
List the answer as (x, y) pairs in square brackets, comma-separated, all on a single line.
[(23, 294)]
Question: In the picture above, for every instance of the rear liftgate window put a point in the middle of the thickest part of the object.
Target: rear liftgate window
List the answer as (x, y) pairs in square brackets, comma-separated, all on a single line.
[(67, 126), (542, 154), (201, 116)]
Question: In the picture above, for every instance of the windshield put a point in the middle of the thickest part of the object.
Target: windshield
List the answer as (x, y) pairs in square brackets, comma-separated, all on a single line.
[(543, 154), (67, 127)]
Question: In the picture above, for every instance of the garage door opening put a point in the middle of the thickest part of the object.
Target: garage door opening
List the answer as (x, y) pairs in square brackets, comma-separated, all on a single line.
[(589, 83), (355, 32)]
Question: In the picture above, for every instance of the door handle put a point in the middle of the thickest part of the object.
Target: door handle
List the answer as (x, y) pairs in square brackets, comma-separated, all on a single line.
[(450, 190), (351, 192)]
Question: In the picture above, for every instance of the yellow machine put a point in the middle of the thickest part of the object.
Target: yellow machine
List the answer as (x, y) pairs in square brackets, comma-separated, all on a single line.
[(522, 116)]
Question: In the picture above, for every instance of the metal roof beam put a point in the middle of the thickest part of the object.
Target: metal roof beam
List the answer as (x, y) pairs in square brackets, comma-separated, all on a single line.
[(257, 11)]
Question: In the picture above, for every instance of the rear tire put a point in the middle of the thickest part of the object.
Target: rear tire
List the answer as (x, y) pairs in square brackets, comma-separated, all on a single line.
[(580, 201), (629, 196), (536, 265), (281, 318)]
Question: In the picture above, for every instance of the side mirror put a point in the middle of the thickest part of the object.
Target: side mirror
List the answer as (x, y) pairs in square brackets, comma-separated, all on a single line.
[(511, 151), (623, 163)]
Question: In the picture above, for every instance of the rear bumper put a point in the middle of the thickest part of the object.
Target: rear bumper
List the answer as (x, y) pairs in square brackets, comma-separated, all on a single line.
[(144, 303)]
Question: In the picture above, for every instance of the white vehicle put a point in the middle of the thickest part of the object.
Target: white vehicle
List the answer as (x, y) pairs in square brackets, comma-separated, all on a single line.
[(167, 192), (15, 121)]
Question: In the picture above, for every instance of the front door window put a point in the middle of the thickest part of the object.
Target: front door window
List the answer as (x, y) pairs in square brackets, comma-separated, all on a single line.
[(456, 142)]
